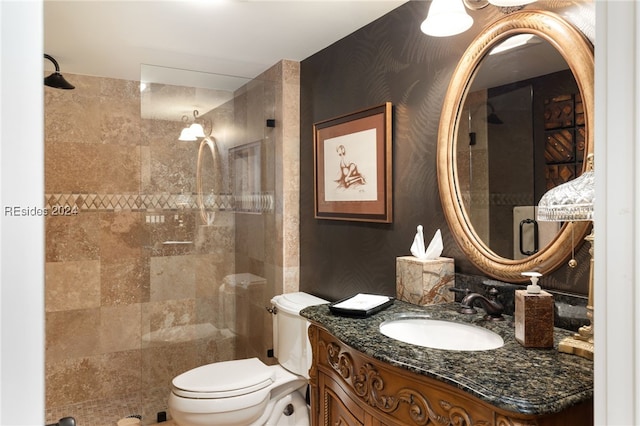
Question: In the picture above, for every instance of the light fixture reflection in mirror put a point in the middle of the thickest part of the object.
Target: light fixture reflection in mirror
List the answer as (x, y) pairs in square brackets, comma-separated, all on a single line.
[(571, 202)]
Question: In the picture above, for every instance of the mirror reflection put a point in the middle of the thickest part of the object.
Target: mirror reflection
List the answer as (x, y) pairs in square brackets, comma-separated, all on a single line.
[(520, 132)]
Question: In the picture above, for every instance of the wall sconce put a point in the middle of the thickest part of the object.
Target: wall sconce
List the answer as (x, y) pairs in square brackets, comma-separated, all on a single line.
[(195, 130), (56, 80), (570, 202), (449, 17), (446, 18)]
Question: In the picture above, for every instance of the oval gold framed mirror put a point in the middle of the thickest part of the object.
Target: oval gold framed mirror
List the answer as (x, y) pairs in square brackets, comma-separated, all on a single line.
[(577, 52), (207, 180)]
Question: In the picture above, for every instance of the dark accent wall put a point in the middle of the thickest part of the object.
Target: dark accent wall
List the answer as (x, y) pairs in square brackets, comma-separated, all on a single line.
[(388, 60)]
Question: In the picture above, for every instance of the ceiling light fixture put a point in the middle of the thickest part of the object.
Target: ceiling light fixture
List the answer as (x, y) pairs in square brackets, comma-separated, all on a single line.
[(512, 42), (510, 3), (449, 17), (56, 80)]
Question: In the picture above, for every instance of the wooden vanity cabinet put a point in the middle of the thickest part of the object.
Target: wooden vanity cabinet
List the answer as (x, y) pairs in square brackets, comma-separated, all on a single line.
[(351, 388)]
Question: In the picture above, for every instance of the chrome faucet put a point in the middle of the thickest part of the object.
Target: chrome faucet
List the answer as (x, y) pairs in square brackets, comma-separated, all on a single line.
[(491, 305)]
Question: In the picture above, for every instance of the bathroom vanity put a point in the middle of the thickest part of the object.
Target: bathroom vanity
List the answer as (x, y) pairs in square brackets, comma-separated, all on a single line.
[(361, 377)]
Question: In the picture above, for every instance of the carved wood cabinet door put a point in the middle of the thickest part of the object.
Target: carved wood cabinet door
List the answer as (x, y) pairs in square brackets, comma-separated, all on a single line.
[(338, 408)]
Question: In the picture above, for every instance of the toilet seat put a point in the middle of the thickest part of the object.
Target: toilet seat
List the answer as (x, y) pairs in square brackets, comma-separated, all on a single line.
[(224, 379), (248, 404)]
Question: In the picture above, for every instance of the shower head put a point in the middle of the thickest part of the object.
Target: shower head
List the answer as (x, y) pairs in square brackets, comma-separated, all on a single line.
[(493, 118), (56, 80)]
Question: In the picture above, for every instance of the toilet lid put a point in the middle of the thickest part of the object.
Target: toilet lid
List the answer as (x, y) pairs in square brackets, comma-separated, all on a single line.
[(225, 379), (293, 303)]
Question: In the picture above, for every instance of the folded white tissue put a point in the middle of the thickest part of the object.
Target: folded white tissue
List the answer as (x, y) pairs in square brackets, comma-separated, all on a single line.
[(362, 302), (433, 251)]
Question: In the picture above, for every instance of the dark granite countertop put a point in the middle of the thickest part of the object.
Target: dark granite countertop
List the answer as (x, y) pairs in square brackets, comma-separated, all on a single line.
[(514, 378)]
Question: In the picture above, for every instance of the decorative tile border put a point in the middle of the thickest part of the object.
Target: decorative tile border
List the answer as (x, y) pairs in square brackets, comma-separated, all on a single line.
[(253, 203), (478, 199)]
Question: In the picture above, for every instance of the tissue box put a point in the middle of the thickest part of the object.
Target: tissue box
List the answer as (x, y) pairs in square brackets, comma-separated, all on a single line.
[(424, 282)]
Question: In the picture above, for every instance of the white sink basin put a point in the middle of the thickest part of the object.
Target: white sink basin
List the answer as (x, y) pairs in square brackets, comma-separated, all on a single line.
[(439, 334)]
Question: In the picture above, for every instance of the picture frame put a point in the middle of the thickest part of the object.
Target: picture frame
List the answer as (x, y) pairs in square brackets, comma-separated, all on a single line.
[(352, 166)]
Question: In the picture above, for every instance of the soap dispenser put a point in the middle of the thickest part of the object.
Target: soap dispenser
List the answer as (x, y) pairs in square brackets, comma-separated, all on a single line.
[(534, 315)]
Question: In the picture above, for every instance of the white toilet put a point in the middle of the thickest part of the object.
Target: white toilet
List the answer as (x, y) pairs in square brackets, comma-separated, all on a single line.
[(248, 392)]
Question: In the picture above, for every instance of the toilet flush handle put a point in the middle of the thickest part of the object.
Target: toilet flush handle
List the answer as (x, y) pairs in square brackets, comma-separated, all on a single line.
[(272, 309)]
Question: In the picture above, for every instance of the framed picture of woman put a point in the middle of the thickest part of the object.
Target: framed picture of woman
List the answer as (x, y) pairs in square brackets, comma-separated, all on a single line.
[(352, 166)]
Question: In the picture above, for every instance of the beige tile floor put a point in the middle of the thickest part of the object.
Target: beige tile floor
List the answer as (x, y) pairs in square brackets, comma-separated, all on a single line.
[(108, 412)]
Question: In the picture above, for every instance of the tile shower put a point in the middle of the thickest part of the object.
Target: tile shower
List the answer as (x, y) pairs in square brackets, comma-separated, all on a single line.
[(125, 311)]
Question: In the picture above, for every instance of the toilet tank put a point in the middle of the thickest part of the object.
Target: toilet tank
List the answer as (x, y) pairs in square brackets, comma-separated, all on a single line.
[(240, 296), (290, 341)]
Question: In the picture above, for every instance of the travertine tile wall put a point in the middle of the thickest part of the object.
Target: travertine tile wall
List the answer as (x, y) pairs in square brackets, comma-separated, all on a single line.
[(124, 312)]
